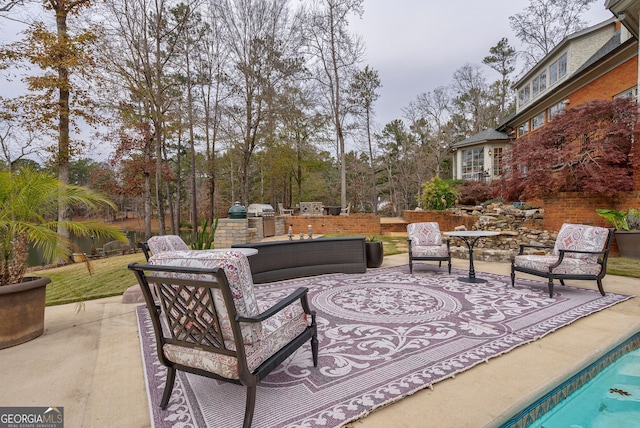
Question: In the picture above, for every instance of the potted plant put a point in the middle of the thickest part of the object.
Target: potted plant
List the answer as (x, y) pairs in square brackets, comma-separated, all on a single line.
[(29, 202), (627, 224), (374, 250)]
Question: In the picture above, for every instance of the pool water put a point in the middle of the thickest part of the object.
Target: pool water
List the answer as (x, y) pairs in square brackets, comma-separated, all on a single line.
[(605, 393), (611, 399)]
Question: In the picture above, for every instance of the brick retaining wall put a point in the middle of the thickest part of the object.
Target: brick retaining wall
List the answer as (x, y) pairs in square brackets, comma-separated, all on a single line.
[(353, 224)]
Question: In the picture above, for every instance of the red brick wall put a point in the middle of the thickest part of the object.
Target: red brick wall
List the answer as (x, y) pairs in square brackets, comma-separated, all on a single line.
[(446, 220), (573, 207), (605, 87), (353, 224)]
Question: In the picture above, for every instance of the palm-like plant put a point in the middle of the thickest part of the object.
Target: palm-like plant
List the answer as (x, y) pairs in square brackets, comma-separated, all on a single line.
[(28, 215)]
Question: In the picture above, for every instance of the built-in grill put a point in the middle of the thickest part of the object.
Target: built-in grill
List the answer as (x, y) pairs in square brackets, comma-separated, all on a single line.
[(268, 215), (260, 210)]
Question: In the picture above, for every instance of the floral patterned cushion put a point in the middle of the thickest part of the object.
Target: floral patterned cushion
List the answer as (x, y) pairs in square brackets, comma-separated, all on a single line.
[(580, 237), (569, 266), (429, 251), (425, 233), (277, 331), (158, 244), (236, 268)]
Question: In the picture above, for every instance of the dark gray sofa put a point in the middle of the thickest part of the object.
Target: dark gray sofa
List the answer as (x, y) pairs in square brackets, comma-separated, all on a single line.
[(280, 260)]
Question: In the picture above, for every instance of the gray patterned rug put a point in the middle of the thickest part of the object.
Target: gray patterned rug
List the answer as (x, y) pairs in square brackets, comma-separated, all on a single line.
[(383, 335)]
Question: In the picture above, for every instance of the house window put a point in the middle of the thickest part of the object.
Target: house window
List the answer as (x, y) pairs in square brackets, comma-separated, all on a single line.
[(558, 69), (539, 84), (556, 108), (523, 129), (537, 121), (629, 93), (473, 164), (524, 95), (497, 161)]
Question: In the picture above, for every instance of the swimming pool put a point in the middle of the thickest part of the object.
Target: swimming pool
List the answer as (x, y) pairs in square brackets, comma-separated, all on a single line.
[(618, 372)]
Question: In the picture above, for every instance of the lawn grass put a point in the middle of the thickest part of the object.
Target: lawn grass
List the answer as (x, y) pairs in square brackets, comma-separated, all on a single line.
[(72, 283), (623, 267)]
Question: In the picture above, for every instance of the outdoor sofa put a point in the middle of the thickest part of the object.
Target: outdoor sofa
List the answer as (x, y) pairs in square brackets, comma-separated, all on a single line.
[(280, 260)]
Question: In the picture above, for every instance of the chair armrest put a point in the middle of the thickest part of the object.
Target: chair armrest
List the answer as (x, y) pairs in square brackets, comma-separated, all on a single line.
[(539, 247), (594, 253), (300, 293), (563, 252)]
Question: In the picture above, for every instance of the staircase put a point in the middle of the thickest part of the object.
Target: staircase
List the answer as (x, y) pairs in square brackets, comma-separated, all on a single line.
[(393, 226)]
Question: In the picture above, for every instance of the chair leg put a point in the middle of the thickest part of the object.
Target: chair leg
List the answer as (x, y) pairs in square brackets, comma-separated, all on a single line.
[(314, 350), (551, 287), (600, 287), (410, 265), (168, 387), (250, 406), (449, 265), (513, 276)]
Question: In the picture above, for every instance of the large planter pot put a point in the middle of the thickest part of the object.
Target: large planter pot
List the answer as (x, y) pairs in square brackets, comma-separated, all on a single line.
[(22, 311), (335, 210), (628, 243), (375, 254)]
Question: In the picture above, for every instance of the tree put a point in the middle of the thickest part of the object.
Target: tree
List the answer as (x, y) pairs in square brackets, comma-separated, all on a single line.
[(336, 52), (471, 111), (584, 149), (545, 23), (55, 99), (8, 5), (264, 45), (17, 143), (502, 58), (400, 161), (429, 117), (362, 95), (140, 55)]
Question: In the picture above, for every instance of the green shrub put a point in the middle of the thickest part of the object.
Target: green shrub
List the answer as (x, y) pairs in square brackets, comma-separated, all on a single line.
[(438, 194), (205, 238)]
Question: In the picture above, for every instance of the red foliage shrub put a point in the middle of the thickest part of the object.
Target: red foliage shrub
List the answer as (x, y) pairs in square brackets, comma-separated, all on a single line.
[(584, 149), (473, 192)]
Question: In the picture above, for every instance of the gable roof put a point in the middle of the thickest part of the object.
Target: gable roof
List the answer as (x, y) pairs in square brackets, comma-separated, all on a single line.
[(613, 46), (562, 45), (608, 47), (482, 137)]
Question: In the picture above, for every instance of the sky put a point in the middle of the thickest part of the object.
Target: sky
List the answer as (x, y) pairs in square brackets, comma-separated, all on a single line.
[(417, 45)]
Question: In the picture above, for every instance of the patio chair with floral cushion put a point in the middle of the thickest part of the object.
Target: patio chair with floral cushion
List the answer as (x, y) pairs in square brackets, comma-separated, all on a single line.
[(212, 324), (426, 243), (158, 244), (580, 252)]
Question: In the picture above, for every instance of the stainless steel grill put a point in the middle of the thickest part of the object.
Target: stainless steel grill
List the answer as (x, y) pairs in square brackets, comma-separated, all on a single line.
[(260, 210)]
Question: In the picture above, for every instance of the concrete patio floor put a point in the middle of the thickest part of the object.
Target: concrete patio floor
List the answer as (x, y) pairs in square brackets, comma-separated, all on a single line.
[(90, 364)]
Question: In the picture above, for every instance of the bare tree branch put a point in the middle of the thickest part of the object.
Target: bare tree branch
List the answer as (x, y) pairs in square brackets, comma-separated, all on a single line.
[(6, 7)]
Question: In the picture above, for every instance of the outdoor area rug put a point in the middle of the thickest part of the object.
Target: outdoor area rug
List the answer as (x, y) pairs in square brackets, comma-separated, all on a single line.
[(383, 335)]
